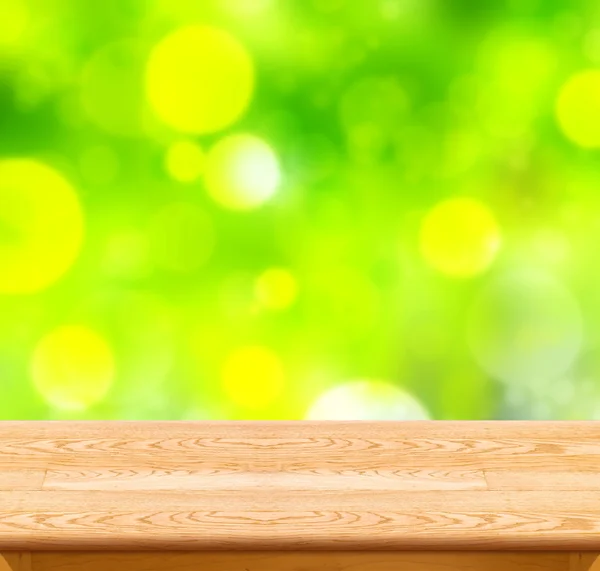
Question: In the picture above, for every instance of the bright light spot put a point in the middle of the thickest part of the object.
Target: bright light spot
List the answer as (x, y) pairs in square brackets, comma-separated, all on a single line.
[(242, 172), (253, 376), (72, 368), (99, 165), (525, 329), (460, 237), (199, 79), (181, 237), (367, 400), (276, 288), (14, 20), (578, 108), (185, 161), (112, 88), (41, 226)]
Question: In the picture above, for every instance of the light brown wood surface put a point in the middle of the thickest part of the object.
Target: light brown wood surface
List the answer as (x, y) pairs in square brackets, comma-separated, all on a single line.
[(293, 486)]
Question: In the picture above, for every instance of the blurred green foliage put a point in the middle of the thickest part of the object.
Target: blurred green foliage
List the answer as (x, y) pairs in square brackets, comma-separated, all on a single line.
[(263, 209)]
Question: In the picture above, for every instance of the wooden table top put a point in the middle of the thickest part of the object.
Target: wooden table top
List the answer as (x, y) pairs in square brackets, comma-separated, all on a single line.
[(300, 485)]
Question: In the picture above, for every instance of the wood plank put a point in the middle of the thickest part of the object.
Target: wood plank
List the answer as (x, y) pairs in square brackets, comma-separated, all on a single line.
[(267, 446), (22, 479), (238, 478), (541, 479), (285, 460), (413, 485), (278, 520), (233, 500), (301, 561), (582, 431)]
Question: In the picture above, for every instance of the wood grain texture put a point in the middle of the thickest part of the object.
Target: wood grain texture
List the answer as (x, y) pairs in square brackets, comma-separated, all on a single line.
[(415, 485), (224, 478), (23, 479), (555, 480), (267, 446), (301, 561)]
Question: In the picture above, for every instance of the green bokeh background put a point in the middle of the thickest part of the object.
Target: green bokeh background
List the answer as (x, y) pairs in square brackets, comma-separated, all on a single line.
[(377, 111)]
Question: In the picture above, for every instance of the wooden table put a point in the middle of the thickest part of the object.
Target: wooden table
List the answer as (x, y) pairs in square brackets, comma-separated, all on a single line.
[(300, 496)]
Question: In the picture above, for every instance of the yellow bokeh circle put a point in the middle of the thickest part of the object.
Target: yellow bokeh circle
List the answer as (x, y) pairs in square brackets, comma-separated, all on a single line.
[(72, 367), (578, 108), (199, 79), (184, 161), (242, 172), (276, 288), (253, 376), (460, 237), (15, 21), (41, 226)]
